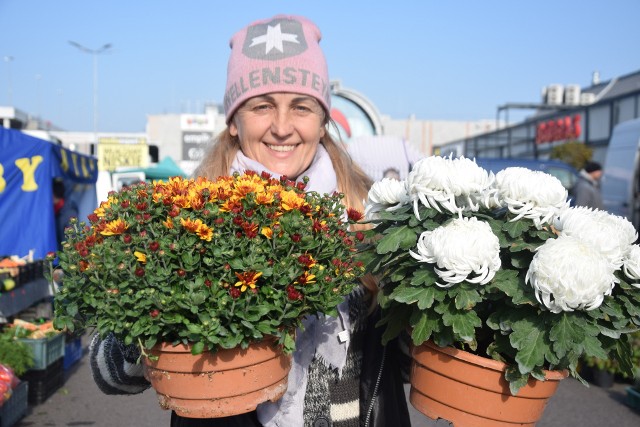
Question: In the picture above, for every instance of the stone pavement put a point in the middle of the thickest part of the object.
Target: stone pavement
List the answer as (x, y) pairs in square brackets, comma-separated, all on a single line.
[(79, 403)]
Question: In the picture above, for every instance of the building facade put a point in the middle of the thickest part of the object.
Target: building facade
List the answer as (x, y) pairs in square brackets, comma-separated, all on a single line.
[(567, 113)]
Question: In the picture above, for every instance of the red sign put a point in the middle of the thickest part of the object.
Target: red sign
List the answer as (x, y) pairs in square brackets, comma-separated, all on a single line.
[(558, 129)]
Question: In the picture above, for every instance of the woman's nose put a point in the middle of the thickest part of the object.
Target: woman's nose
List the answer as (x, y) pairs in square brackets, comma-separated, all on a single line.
[(281, 125)]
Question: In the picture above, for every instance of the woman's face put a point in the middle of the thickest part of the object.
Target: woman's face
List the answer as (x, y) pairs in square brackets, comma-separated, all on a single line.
[(280, 130)]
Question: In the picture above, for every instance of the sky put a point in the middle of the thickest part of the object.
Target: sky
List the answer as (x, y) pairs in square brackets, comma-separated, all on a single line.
[(436, 60)]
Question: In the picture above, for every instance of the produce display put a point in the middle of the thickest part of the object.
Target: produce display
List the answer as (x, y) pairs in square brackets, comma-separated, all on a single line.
[(23, 329), (8, 381), (9, 270), (15, 271)]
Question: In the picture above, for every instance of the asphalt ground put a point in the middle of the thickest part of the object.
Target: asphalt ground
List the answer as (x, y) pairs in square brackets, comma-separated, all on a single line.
[(79, 403)]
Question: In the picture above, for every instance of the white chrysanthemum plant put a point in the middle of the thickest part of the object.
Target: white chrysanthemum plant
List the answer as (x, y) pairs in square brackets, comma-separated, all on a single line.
[(501, 266)]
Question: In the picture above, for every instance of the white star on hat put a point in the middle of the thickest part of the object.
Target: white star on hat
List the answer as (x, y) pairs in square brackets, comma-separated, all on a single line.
[(274, 38)]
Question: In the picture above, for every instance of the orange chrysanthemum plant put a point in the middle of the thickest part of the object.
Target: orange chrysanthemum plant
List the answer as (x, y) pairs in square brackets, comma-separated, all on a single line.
[(214, 264)]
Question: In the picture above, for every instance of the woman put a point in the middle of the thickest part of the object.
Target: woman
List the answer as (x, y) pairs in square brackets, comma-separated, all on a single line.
[(277, 105)]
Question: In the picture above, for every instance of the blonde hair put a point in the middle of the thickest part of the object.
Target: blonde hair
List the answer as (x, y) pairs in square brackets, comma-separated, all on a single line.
[(352, 181)]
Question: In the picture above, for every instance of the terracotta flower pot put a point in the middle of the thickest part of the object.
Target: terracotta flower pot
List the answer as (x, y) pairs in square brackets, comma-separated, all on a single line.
[(221, 384), (470, 390)]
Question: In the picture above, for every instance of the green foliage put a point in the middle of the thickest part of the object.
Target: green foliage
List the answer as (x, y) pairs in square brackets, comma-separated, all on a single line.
[(609, 362), (216, 264), (502, 319), (15, 354), (575, 153)]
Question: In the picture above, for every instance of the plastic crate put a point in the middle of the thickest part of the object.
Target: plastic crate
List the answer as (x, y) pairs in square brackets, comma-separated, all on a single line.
[(46, 351), (72, 352), (43, 383), (16, 407), (633, 398)]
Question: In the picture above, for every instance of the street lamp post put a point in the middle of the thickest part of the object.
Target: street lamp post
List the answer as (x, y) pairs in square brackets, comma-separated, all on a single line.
[(94, 53), (8, 60)]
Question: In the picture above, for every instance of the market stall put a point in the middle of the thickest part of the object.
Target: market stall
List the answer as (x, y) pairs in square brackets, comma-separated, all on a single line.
[(29, 167)]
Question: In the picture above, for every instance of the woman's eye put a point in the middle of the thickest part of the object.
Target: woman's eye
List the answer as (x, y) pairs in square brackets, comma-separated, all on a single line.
[(261, 107)]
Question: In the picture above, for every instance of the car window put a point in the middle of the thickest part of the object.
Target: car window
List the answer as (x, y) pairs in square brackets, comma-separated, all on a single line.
[(566, 177)]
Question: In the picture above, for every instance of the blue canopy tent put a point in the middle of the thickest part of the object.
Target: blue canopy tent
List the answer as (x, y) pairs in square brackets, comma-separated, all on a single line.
[(28, 167)]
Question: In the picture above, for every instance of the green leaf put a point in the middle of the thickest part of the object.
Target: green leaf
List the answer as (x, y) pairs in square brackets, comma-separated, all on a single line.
[(466, 298), (516, 379), (236, 264), (508, 282), (593, 348), (395, 215), (623, 355), (197, 348), (424, 276), (423, 323), (565, 332), (289, 343), (397, 237), (426, 298), (193, 328), (528, 337), (398, 274), (516, 228), (72, 309), (632, 309), (406, 294), (463, 323)]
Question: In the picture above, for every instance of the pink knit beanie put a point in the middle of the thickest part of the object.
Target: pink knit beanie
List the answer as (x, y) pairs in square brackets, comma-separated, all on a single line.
[(280, 54)]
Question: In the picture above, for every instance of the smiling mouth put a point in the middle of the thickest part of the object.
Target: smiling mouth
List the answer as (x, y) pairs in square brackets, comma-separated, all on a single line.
[(282, 148)]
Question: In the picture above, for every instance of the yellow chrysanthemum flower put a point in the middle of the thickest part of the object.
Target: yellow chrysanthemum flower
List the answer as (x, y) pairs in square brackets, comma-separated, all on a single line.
[(247, 280), (291, 200), (267, 232), (264, 198), (115, 227), (205, 232), (198, 227), (141, 257), (101, 210)]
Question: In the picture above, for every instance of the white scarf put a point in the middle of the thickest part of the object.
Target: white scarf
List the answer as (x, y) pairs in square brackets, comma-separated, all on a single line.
[(320, 335)]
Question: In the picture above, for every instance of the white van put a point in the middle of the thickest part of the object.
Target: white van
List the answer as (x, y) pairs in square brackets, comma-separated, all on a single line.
[(621, 175)]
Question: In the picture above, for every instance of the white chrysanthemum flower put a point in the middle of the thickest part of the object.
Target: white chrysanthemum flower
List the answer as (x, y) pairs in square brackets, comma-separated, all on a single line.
[(613, 235), (454, 185), (570, 274), (631, 265), (463, 249), (388, 194), (531, 194)]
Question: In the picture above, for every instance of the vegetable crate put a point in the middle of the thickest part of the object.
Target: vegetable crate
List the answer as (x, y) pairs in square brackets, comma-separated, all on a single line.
[(16, 407), (46, 351), (43, 383), (72, 352)]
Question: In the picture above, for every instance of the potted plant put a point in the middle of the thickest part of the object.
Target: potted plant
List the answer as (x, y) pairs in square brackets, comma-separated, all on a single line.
[(501, 268), (600, 372), (194, 266)]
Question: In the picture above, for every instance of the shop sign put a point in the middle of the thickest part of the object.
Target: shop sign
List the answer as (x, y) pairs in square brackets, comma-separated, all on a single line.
[(194, 144), (195, 122), (112, 156), (564, 128)]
